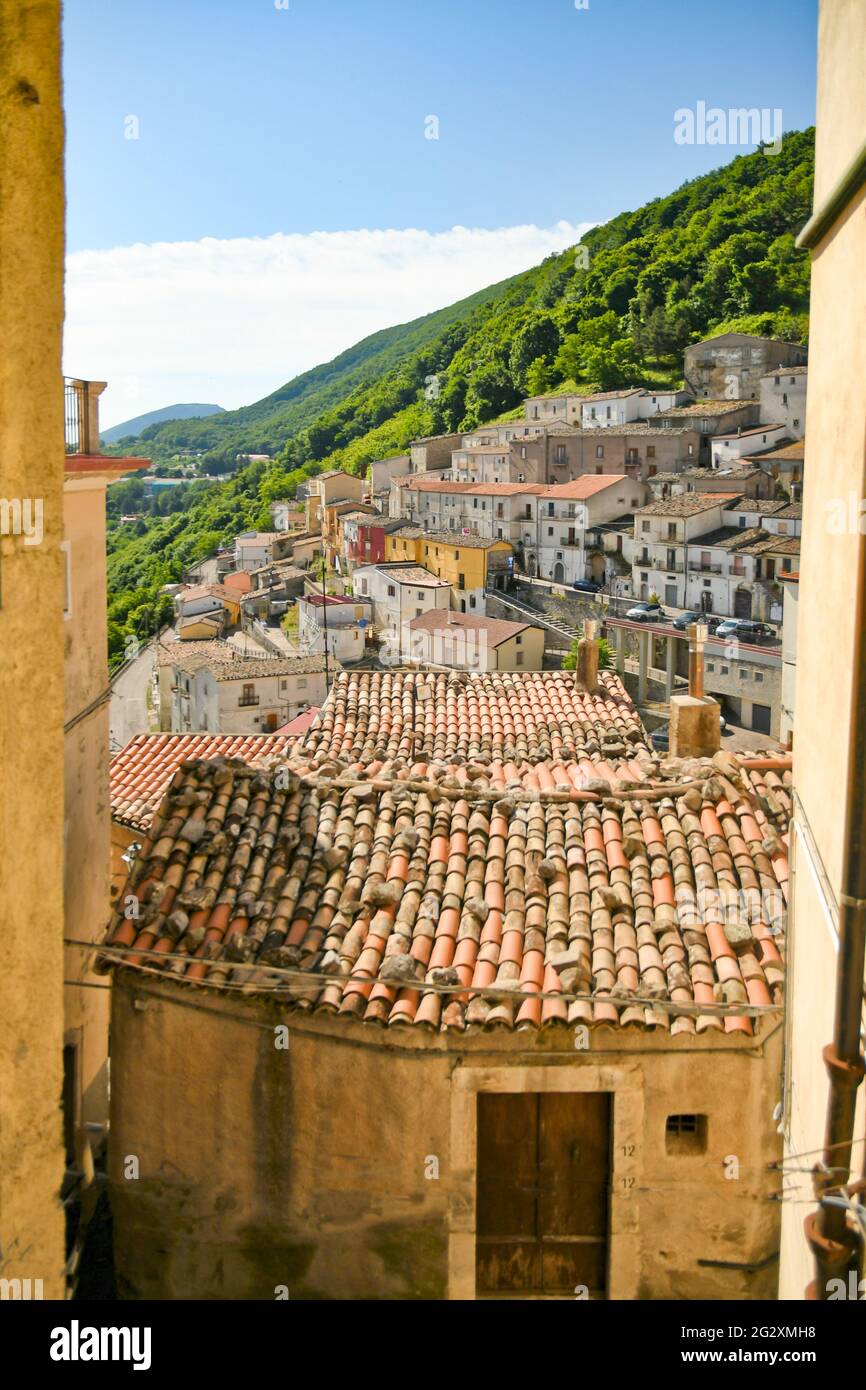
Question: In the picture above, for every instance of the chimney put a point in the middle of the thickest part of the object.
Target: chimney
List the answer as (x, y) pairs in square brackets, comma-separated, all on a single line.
[(698, 633), (586, 669), (694, 722)]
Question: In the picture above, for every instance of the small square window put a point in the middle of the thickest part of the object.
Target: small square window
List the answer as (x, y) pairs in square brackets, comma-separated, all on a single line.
[(686, 1134)]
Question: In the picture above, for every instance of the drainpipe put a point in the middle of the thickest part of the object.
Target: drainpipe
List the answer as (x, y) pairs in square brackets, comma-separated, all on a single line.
[(837, 1247)]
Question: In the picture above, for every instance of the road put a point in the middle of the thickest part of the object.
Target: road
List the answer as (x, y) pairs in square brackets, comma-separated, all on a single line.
[(129, 713)]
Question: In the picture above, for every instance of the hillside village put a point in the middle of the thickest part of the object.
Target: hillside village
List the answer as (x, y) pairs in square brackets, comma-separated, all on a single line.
[(422, 879), (401, 792), (642, 511)]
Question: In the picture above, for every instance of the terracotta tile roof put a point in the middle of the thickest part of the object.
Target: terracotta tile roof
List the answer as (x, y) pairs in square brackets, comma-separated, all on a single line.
[(140, 773), (457, 540), (371, 517), (768, 544), (614, 395), (409, 574), (688, 504), (796, 451), (423, 900), (211, 622), (702, 408), (785, 371), (192, 654), (519, 717), (729, 537), (422, 484), (244, 668), (496, 630), (750, 429), (766, 506), (197, 591), (588, 484), (300, 724)]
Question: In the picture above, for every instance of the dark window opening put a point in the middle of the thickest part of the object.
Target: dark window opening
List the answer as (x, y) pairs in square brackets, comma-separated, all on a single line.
[(686, 1134)]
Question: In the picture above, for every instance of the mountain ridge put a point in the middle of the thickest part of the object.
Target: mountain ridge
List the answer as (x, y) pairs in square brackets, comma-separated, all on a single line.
[(717, 254), (133, 428)]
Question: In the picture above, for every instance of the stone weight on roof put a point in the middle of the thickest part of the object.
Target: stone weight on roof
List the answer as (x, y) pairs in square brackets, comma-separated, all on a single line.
[(446, 905)]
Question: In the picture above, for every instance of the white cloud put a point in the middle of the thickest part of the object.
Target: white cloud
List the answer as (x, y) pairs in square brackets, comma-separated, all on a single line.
[(229, 321)]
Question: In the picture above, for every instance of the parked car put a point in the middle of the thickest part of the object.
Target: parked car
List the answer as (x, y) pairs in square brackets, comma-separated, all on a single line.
[(646, 613), (744, 629), (586, 586), (691, 615), (684, 620)]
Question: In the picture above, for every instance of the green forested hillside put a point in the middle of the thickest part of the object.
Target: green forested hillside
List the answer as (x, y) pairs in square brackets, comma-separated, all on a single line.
[(717, 254)]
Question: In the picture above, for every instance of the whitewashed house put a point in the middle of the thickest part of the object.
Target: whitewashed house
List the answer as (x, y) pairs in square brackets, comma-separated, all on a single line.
[(605, 409), (548, 408), (253, 549), (567, 511), (653, 402), (399, 592), (337, 623), (663, 533), (726, 449), (245, 695), (783, 397)]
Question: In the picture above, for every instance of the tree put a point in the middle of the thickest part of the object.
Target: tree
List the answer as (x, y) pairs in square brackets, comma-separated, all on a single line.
[(654, 337), (605, 655), (538, 377), (490, 393), (537, 340)]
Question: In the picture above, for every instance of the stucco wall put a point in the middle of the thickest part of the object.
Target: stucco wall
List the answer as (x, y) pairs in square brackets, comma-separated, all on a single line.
[(87, 811), (307, 1167), (835, 462), (31, 712)]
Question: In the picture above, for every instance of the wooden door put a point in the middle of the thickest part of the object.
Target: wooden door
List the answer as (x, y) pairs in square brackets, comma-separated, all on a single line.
[(543, 1175)]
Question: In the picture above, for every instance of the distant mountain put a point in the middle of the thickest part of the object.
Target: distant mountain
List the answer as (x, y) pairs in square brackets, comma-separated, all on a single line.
[(131, 428)]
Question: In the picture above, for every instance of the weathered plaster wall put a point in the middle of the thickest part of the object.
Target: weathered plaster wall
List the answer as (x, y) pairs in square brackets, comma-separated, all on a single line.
[(31, 709), (836, 413), (88, 856), (306, 1167)]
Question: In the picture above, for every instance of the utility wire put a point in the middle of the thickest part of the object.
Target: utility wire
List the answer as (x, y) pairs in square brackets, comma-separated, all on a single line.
[(311, 977)]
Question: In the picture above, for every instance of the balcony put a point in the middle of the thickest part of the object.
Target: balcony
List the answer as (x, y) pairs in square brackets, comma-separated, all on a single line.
[(245, 701), (696, 567), (649, 562), (81, 415)]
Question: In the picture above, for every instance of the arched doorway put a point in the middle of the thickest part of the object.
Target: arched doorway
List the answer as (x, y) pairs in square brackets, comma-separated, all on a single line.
[(596, 567), (559, 572), (743, 602)]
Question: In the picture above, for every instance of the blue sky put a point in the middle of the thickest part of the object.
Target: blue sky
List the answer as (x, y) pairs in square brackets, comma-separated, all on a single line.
[(255, 122)]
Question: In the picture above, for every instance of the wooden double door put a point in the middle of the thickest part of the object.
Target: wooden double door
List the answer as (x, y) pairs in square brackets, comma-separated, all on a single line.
[(542, 1199)]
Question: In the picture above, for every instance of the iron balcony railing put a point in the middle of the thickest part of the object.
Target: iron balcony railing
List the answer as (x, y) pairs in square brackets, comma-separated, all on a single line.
[(77, 418)]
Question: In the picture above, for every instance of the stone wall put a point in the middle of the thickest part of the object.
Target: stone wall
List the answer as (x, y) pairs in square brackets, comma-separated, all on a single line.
[(343, 1164), (31, 712)]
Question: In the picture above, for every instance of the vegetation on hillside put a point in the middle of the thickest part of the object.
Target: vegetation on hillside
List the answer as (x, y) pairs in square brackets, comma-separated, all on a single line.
[(718, 254)]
